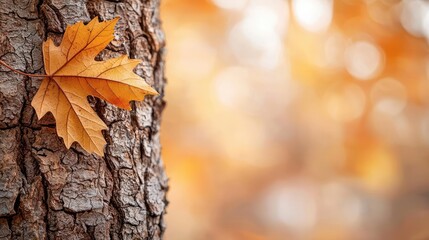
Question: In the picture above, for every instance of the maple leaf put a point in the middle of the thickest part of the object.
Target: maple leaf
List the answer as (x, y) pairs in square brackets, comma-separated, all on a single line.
[(72, 74)]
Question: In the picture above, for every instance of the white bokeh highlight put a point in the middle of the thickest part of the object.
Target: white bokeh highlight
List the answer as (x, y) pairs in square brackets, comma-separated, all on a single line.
[(363, 60), (313, 15), (256, 40)]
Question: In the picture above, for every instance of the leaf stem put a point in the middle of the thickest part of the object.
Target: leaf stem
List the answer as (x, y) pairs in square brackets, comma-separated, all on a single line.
[(20, 72)]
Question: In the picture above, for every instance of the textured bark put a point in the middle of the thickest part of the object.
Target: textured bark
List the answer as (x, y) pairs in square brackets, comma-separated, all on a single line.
[(49, 192)]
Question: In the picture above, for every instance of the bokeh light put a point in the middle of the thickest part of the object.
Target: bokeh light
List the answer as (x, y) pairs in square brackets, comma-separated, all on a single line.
[(313, 15), (363, 60), (297, 119)]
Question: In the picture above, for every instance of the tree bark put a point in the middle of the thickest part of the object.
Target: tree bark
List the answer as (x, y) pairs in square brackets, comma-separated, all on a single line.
[(49, 192)]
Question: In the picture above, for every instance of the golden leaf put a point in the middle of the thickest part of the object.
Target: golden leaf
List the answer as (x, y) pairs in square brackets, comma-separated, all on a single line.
[(73, 74)]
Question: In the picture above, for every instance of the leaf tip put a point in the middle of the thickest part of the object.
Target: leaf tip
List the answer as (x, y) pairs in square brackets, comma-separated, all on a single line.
[(115, 19), (99, 152), (154, 92)]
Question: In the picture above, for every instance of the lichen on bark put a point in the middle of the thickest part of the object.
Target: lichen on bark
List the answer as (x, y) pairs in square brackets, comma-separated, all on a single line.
[(49, 192)]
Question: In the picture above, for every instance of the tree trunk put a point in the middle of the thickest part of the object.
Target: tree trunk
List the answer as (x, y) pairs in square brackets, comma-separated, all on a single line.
[(49, 192)]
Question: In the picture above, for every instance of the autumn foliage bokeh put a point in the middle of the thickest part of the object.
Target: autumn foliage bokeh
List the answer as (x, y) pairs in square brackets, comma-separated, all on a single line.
[(300, 119)]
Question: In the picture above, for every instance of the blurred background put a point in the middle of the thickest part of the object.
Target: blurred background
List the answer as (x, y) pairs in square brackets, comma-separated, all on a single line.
[(300, 119)]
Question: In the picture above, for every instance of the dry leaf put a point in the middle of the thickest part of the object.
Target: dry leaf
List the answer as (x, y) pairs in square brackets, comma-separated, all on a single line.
[(73, 74)]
